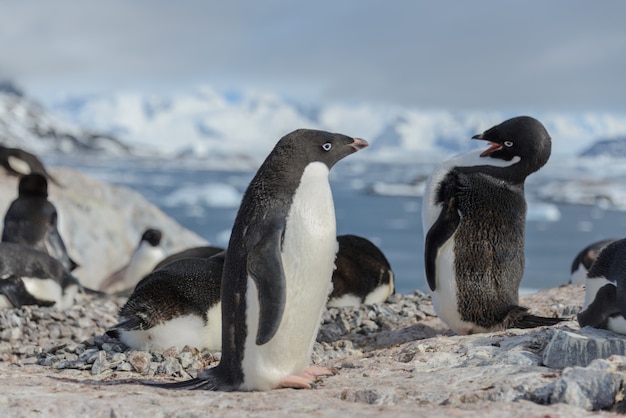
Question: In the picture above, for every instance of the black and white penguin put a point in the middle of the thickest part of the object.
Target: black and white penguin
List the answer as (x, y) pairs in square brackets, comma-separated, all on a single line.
[(278, 268), (584, 259), (474, 214), (32, 220), (605, 290), (32, 277), (18, 162), (146, 256), (174, 306), (363, 274), (194, 252)]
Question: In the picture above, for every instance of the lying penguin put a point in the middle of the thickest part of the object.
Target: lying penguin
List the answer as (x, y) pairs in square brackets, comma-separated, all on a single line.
[(17, 162), (32, 277), (183, 296), (147, 254), (605, 290), (175, 306), (584, 259), (362, 273)]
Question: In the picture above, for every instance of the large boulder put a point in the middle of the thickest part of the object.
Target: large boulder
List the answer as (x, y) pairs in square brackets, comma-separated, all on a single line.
[(102, 224)]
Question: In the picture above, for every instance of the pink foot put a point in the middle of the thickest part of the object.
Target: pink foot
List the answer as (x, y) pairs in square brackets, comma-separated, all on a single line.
[(305, 379)]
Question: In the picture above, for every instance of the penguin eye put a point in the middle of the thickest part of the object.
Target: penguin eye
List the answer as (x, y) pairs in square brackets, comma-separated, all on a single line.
[(327, 146), (508, 144)]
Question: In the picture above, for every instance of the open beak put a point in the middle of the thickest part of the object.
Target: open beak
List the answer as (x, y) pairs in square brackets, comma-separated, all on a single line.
[(359, 144), (493, 146)]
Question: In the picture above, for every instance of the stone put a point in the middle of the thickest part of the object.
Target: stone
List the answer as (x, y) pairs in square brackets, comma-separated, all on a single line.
[(579, 348)]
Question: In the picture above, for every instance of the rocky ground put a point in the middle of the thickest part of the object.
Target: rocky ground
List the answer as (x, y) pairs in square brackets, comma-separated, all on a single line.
[(393, 359)]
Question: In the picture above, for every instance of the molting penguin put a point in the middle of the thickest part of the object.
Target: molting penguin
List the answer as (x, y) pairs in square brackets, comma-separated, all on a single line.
[(147, 255), (175, 306), (605, 290), (32, 220), (278, 268), (32, 277), (474, 218), (363, 274), (584, 259), (194, 252), (18, 162)]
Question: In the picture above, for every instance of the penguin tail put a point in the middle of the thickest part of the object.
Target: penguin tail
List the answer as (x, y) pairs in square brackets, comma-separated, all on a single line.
[(208, 379), (518, 317)]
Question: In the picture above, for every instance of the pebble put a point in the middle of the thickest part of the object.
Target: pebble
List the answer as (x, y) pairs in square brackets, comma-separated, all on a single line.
[(75, 338)]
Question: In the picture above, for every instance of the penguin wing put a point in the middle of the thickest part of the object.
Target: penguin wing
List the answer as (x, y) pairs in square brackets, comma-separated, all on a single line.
[(265, 267), (442, 229), (601, 309)]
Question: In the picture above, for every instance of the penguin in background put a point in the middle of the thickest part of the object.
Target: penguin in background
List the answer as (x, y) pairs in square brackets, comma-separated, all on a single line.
[(17, 162), (32, 277), (363, 274), (584, 259), (474, 219), (32, 220), (605, 290), (278, 268), (174, 306), (145, 257)]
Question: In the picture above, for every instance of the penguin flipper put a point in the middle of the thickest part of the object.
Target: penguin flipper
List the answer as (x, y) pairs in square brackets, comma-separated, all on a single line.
[(265, 267), (444, 227), (601, 309), (15, 291), (134, 323)]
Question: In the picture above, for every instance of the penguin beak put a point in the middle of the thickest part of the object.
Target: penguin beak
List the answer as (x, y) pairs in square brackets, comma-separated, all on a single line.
[(493, 146), (359, 144)]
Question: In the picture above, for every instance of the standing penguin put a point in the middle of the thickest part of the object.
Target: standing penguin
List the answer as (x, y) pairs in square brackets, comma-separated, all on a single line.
[(174, 306), (584, 259), (278, 268), (474, 218), (145, 257), (32, 220), (605, 290), (18, 162), (363, 274)]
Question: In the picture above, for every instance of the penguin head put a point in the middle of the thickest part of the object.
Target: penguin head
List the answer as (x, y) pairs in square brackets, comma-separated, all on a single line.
[(152, 236), (313, 145), (522, 138), (33, 185)]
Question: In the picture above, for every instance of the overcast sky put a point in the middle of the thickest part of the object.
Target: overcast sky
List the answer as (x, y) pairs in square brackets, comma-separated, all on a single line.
[(455, 54)]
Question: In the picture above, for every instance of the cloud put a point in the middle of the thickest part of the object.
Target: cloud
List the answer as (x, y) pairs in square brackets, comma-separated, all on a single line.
[(451, 53)]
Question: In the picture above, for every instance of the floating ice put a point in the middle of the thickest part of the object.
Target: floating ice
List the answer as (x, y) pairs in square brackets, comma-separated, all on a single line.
[(215, 195)]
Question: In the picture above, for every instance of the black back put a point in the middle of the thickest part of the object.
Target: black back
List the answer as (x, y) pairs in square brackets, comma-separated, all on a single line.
[(588, 255), (361, 267), (195, 252), (189, 286)]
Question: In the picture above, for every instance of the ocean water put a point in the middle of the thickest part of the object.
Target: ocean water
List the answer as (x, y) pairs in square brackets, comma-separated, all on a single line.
[(206, 202)]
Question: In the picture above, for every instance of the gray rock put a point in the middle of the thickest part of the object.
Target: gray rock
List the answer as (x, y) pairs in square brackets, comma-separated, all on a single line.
[(579, 348), (592, 388), (101, 224)]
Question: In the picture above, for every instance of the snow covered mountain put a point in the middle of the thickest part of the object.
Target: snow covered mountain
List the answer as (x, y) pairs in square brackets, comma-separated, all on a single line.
[(26, 124), (209, 122)]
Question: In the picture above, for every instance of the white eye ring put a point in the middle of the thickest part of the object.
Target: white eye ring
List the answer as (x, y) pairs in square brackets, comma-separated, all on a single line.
[(327, 146), (508, 144)]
